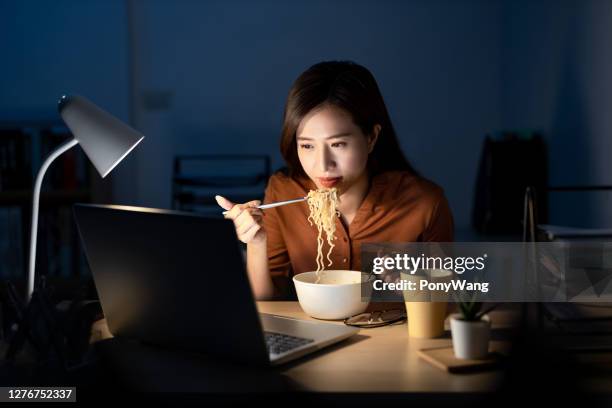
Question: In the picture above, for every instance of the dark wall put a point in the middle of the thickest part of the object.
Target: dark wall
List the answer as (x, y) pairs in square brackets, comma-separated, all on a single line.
[(212, 77)]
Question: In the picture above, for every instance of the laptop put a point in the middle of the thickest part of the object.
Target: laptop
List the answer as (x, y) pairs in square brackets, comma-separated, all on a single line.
[(178, 280)]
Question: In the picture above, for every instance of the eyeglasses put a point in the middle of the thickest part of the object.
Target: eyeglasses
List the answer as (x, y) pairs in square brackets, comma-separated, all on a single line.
[(376, 319)]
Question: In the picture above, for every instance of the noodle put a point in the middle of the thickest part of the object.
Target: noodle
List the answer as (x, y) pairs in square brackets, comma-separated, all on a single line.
[(322, 204)]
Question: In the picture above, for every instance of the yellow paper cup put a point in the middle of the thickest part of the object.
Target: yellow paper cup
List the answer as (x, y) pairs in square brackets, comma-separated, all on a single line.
[(426, 309)]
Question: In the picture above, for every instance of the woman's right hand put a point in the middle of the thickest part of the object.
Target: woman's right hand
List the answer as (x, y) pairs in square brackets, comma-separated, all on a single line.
[(248, 219)]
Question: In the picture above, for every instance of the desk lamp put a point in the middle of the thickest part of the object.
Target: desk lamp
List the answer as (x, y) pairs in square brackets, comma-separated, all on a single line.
[(105, 140)]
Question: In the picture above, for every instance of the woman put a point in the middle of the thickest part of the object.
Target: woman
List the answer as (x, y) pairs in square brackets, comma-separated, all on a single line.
[(336, 133)]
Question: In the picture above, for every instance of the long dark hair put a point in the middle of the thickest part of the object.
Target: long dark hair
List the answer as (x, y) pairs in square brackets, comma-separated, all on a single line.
[(353, 88)]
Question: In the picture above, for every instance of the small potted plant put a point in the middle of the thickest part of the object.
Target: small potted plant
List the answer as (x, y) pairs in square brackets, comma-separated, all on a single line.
[(470, 330)]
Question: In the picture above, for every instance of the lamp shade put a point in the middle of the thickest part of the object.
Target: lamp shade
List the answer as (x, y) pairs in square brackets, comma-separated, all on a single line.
[(105, 139)]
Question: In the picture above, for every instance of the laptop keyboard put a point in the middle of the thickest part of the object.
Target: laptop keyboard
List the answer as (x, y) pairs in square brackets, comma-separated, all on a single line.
[(279, 343)]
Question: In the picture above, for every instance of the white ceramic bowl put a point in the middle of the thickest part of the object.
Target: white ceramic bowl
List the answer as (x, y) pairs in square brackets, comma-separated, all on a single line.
[(337, 295)]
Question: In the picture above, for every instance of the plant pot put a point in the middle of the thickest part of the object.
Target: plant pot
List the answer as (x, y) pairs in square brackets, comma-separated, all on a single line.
[(470, 338)]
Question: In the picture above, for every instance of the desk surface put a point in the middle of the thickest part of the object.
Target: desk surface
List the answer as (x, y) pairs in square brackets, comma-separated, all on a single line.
[(382, 359)]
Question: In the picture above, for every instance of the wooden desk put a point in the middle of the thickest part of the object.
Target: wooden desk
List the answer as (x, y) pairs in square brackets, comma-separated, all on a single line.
[(383, 359)]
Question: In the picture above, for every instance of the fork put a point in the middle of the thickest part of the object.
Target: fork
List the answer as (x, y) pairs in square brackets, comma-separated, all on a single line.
[(277, 204)]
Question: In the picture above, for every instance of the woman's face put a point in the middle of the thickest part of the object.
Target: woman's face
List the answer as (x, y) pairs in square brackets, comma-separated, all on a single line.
[(332, 149)]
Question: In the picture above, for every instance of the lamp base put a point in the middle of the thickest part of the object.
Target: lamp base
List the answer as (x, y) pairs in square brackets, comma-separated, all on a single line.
[(56, 337)]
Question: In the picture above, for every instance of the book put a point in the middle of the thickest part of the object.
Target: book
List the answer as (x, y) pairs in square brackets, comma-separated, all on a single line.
[(15, 159), (11, 243)]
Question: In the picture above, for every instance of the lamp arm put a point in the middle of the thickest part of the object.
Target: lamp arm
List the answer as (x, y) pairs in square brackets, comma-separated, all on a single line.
[(35, 201)]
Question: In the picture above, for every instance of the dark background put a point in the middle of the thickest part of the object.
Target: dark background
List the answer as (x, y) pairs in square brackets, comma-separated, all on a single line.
[(211, 77)]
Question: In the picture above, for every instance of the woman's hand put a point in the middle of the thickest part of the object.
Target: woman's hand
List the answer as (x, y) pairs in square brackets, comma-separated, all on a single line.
[(248, 220)]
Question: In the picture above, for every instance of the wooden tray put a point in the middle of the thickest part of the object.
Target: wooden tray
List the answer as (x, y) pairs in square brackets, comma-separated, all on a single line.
[(444, 358)]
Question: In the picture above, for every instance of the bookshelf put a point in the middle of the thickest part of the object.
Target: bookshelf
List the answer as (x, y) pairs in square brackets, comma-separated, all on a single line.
[(70, 179)]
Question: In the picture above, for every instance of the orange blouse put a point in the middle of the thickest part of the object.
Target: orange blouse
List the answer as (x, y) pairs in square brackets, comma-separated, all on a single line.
[(399, 207)]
